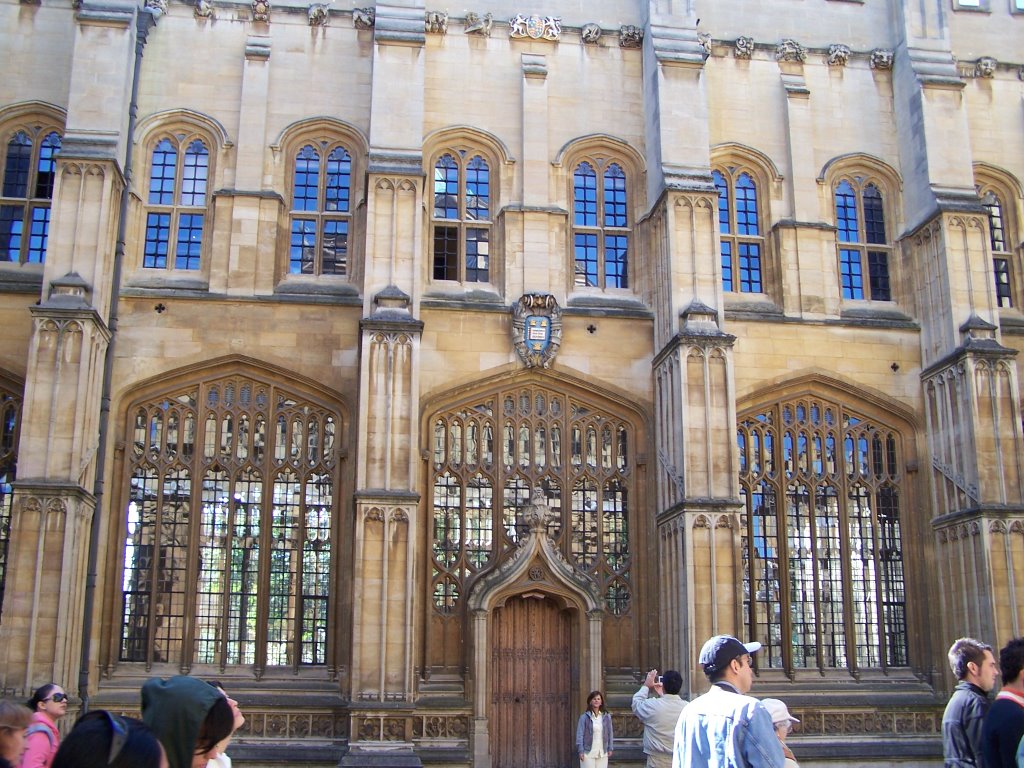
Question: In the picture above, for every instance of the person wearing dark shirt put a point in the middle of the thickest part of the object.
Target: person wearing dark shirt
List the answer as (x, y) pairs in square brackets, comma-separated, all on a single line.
[(1003, 727), (975, 668)]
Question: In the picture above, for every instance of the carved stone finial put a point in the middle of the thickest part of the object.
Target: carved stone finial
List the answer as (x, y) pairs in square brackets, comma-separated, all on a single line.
[(790, 50), (364, 18), (261, 10), (535, 27), (436, 22), (203, 9), (838, 55), (318, 14), (744, 47), (479, 25), (704, 40), (986, 67), (538, 513), (630, 36), (591, 33), (881, 59)]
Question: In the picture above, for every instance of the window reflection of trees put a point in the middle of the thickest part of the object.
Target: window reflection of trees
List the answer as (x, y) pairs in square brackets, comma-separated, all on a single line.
[(488, 456), (822, 553), (228, 546)]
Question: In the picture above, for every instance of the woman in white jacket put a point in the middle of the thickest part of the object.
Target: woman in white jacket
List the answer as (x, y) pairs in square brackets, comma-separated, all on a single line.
[(782, 721)]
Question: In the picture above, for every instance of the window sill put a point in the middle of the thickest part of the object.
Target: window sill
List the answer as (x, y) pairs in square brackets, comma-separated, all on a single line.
[(459, 295), (21, 278), (323, 285), (168, 279), (608, 304)]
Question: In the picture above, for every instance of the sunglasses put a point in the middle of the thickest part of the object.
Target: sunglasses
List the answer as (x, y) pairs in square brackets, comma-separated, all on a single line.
[(57, 698), (118, 731)]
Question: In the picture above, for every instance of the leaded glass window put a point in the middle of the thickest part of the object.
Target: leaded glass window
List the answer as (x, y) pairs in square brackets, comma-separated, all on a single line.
[(489, 454), (321, 214), (864, 249), (176, 203), (10, 423), (461, 217), (739, 231), (1002, 262), (232, 485), (29, 171), (600, 225), (823, 577)]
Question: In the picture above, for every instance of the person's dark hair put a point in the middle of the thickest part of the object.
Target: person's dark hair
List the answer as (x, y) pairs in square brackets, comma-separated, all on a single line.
[(593, 695), (40, 695), (714, 677), (218, 724), (963, 652), (671, 681), (1011, 660), (101, 739)]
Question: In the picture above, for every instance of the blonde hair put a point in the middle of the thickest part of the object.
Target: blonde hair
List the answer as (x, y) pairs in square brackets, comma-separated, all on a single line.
[(14, 716)]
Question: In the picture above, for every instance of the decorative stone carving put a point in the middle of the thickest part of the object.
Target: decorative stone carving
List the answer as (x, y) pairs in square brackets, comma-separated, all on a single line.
[(744, 47), (261, 10), (986, 66), (838, 55), (160, 6), (630, 36), (203, 9), (479, 25), (704, 40), (881, 59), (537, 329), (790, 50), (364, 18), (318, 14), (591, 33), (437, 22), (535, 27)]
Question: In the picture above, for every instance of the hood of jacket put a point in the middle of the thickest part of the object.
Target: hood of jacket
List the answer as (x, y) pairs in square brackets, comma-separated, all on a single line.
[(174, 709)]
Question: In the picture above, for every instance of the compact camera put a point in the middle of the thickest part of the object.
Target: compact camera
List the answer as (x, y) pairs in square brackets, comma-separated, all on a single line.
[(660, 681)]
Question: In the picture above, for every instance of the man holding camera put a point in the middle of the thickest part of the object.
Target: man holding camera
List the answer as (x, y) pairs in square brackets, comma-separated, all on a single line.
[(657, 705)]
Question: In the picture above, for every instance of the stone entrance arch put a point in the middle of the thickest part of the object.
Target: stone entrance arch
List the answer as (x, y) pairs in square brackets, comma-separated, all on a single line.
[(537, 568)]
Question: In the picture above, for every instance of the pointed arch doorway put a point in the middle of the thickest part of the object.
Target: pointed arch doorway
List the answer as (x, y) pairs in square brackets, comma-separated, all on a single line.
[(532, 691)]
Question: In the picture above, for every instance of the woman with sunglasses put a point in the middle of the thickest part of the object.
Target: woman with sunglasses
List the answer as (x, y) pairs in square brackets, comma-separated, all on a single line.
[(14, 719), (49, 704), (101, 739)]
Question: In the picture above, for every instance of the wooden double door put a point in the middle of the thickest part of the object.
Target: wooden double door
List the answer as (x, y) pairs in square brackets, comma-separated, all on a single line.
[(531, 719)]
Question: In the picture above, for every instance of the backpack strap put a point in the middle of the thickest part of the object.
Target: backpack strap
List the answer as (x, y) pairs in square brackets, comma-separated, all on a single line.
[(40, 728)]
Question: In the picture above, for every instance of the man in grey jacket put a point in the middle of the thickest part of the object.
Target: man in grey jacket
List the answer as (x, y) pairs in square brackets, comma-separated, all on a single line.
[(974, 665), (657, 705)]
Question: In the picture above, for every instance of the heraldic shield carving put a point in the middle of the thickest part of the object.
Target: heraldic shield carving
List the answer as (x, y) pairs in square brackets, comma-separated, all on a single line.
[(537, 329)]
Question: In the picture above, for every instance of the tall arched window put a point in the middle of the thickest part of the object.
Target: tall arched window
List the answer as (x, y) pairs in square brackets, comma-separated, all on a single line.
[(489, 454), (864, 248), (600, 224), (176, 203), (321, 210), (1002, 245), (10, 428), (461, 216), (228, 542), (29, 171), (822, 550), (739, 230)]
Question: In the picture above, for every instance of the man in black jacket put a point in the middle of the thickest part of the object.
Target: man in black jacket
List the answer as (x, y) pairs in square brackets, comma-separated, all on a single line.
[(1004, 724), (974, 666)]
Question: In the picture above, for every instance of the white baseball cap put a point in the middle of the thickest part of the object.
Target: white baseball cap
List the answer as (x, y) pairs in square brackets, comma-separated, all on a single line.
[(779, 711)]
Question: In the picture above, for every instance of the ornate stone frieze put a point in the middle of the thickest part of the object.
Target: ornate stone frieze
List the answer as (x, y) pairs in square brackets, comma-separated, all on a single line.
[(261, 10), (535, 27), (436, 22), (364, 18), (744, 47), (203, 9), (537, 329), (591, 33), (318, 14), (985, 67), (881, 59), (479, 25), (630, 36), (838, 55), (790, 50)]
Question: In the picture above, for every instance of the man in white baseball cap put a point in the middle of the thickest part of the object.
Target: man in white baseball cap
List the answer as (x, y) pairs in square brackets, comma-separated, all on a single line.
[(725, 728)]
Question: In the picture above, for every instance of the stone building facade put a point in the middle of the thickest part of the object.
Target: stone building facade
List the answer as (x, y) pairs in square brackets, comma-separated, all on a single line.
[(416, 370)]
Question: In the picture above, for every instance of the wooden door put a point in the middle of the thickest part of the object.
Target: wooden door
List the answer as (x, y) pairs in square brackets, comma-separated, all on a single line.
[(531, 721)]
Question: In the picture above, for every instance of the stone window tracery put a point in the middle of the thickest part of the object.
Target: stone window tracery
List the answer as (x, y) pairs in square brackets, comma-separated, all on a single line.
[(489, 454), (176, 202), (462, 213), (1002, 236), (739, 227), (321, 209), (864, 248), (601, 225), (228, 539), (28, 172), (823, 576)]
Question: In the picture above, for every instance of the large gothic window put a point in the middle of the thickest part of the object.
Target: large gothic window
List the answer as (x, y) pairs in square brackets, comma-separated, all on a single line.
[(489, 454), (600, 224), (29, 165), (461, 216), (176, 203), (228, 541), (822, 552), (321, 210), (739, 230), (864, 249), (1001, 241), (10, 422)]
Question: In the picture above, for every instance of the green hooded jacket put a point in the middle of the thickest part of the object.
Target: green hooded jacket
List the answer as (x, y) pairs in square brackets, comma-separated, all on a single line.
[(174, 709)]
